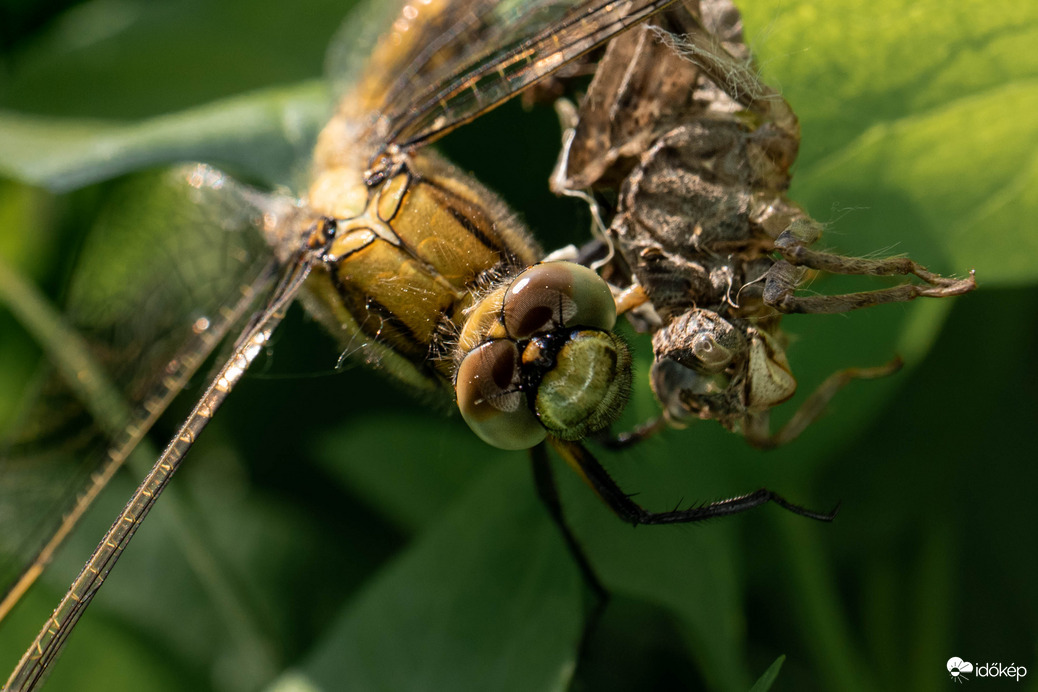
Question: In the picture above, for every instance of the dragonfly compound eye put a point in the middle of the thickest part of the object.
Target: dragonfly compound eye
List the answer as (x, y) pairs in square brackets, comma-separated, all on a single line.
[(557, 294), (577, 373), (586, 385), (491, 400)]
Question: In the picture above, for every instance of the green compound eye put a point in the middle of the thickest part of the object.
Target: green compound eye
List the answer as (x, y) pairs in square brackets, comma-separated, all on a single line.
[(490, 399), (557, 294), (587, 387)]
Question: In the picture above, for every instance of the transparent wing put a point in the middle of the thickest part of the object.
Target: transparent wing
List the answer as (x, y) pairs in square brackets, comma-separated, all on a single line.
[(159, 281), (444, 63), (542, 44), (387, 48)]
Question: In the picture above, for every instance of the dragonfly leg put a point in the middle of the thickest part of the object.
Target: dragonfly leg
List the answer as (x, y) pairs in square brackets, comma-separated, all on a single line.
[(544, 480), (621, 503)]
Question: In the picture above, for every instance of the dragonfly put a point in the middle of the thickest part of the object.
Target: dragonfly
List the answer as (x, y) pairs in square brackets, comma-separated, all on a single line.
[(408, 262)]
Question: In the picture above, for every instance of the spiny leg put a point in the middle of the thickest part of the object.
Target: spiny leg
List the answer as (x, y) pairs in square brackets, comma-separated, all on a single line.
[(606, 488), (784, 277), (756, 427)]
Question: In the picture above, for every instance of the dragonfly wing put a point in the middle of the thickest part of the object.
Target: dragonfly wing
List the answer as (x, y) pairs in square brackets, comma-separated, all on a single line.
[(541, 41), (148, 301), (443, 64), (385, 49)]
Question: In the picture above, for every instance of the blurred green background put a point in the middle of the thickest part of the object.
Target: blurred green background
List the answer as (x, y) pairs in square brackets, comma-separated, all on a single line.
[(378, 545)]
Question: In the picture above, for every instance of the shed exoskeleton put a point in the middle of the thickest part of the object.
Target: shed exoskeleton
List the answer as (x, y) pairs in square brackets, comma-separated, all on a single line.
[(692, 152)]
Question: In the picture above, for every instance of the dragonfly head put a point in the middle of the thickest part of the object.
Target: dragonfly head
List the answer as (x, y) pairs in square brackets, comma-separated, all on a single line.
[(540, 359)]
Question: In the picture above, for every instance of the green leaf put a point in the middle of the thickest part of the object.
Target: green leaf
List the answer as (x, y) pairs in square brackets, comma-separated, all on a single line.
[(917, 178), (916, 133), (408, 488), (262, 135), (486, 598), (765, 681)]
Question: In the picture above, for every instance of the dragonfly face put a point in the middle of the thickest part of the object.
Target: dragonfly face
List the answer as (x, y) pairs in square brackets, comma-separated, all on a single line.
[(428, 273)]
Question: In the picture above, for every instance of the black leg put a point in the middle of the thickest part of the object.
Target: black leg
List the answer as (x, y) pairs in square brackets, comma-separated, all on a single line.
[(580, 459), (544, 479)]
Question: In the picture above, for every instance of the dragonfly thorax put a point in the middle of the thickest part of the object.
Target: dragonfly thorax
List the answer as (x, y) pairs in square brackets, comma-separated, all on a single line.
[(413, 253)]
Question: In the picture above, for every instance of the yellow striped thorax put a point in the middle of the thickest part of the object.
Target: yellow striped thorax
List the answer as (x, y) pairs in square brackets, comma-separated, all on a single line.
[(403, 268)]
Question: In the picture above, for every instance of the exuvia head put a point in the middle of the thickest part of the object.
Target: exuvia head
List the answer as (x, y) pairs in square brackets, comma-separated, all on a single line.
[(711, 368)]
